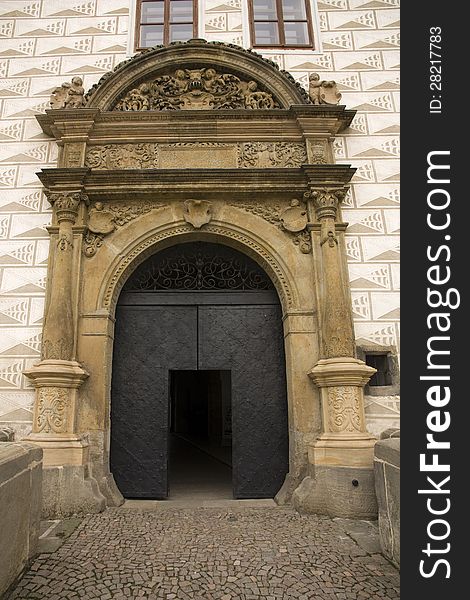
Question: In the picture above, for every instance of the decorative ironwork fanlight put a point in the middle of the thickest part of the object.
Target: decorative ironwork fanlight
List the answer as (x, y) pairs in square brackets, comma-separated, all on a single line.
[(199, 266)]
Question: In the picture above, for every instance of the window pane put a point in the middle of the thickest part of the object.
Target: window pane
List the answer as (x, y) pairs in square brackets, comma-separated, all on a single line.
[(265, 10), (152, 12), (296, 34), (181, 33), (181, 10), (151, 35), (266, 34), (294, 10)]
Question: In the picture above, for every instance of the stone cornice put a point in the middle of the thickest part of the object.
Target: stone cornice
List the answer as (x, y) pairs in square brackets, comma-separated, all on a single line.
[(194, 183), (93, 124)]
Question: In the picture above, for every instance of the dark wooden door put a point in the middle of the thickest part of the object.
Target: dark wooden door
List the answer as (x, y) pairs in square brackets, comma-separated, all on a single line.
[(248, 341), (149, 342), (198, 306)]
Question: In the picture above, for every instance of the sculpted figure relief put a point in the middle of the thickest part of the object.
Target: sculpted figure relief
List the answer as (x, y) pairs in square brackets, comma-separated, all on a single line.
[(322, 92), (196, 89), (68, 95)]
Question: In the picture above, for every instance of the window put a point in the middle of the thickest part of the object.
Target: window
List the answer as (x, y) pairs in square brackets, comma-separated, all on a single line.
[(281, 23), (165, 21), (381, 363), (386, 382)]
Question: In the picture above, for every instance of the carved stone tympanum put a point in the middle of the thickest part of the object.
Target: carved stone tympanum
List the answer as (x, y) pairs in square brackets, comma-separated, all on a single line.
[(197, 89)]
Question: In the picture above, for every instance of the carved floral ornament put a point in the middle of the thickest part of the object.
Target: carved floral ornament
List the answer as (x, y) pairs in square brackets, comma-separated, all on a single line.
[(104, 220), (194, 89)]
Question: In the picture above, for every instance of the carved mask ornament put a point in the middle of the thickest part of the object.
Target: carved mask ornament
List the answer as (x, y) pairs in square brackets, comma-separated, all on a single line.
[(197, 212)]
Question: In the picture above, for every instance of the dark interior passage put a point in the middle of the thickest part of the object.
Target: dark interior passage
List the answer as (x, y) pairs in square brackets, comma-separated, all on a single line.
[(200, 452)]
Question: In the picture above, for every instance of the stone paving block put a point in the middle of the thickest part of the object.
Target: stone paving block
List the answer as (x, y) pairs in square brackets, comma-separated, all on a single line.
[(215, 553)]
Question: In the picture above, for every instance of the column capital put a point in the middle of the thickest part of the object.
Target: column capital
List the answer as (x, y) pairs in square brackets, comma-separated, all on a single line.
[(326, 201), (66, 204)]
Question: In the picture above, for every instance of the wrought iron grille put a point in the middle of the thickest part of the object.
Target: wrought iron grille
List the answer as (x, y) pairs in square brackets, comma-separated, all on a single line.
[(199, 266)]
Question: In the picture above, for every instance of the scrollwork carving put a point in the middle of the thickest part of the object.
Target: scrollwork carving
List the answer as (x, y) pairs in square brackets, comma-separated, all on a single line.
[(197, 89), (64, 242), (52, 410), (123, 156), (91, 243), (103, 220), (344, 409), (292, 223), (271, 154)]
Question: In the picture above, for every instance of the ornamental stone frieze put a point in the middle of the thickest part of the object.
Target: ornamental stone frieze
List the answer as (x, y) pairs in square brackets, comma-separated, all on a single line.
[(123, 156), (250, 155), (271, 154)]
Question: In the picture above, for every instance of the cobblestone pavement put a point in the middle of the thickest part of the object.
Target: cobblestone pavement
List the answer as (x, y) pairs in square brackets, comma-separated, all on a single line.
[(209, 553)]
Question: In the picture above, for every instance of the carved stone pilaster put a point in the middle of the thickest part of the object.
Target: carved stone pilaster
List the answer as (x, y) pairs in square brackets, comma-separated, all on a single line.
[(58, 340), (338, 335)]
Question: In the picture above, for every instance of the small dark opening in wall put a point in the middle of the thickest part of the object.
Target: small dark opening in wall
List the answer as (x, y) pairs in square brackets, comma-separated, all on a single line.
[(382, 364)]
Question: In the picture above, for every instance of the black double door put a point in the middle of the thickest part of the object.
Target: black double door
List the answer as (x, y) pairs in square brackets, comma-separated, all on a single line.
[(221, 332)]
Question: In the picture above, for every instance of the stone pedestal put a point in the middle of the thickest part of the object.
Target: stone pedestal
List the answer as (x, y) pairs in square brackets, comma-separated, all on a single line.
[(68, 487), (341, 481)]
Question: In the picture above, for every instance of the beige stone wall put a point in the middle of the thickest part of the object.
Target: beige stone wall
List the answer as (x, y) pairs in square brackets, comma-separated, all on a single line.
[(44, 42)]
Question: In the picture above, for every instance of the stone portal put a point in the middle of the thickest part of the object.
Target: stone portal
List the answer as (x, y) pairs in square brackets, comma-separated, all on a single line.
[(200, 142)]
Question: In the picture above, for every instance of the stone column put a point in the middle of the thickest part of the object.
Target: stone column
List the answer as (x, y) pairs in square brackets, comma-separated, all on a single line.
[(58, 376), (341, 482), (67, 486)]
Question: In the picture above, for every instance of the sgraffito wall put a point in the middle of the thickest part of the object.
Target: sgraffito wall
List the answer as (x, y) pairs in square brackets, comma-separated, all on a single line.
[(46, 42)]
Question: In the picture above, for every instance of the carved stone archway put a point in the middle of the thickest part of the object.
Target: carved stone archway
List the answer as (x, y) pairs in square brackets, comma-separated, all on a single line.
[(199, 141)]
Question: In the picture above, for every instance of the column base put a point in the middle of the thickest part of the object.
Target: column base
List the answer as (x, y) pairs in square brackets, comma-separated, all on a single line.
[(341, 480), (69, 490), (62, 449), (342, 451), (338, 491)]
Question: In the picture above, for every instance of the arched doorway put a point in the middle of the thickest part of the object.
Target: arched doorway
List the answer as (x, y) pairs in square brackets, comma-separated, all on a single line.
[(199, 376)]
